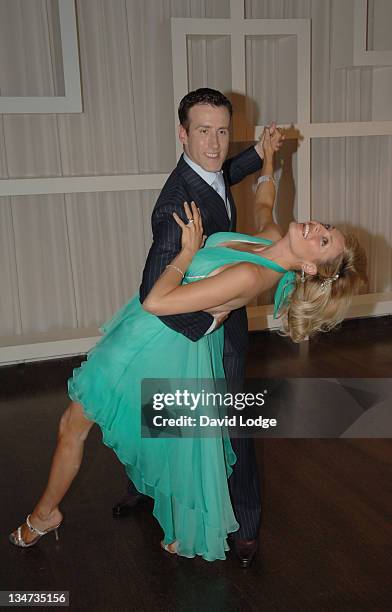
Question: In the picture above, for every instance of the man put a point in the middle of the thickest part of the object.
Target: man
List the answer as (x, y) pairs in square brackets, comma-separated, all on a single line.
[(204, 175)]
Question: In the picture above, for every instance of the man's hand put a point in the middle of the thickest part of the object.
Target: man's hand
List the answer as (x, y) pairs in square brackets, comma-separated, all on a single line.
[(277, 139), (221, 318), (192, 238)]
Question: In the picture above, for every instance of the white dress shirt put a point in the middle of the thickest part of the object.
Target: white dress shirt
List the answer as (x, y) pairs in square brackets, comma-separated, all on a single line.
[(213, 179)]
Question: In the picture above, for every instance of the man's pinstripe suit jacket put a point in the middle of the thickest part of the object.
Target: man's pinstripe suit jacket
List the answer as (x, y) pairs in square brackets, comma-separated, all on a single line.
[(184, 184)]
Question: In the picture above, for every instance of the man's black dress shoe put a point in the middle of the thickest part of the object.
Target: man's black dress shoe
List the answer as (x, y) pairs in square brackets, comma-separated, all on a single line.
[(127, 504), (246, 551)]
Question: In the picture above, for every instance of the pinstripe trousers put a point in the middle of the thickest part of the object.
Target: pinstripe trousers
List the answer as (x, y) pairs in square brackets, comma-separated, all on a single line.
[(244, 484)]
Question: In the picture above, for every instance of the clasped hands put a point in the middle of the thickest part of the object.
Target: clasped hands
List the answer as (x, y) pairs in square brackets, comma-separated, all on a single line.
[(275, 140)]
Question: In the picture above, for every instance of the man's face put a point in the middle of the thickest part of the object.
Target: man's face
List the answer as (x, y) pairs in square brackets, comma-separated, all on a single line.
[(207, 140)]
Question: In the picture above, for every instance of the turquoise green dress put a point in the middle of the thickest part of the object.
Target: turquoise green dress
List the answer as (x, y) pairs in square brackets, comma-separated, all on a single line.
[(186, 477)]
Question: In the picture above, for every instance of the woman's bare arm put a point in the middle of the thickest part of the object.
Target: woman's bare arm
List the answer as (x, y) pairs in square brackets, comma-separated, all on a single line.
[(239, 282), (265, 195)]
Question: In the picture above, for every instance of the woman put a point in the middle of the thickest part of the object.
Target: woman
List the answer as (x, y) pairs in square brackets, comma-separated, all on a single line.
[(317, 268)]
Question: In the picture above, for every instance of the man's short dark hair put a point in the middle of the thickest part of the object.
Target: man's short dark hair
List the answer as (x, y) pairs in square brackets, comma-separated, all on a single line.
[(204, 95)]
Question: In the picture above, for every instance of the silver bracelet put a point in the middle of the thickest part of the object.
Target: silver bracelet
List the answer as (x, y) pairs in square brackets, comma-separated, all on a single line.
[(177, 269), (264, 178)]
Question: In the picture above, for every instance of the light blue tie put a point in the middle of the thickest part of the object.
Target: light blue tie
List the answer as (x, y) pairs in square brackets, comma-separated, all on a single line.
[(219, 186)]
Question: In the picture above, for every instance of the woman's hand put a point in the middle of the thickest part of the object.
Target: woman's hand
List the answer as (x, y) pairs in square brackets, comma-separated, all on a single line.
[(268, 148), (192, 232)]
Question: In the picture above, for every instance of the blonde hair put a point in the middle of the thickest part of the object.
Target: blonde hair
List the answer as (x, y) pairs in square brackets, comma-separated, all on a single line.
[(316, 305)]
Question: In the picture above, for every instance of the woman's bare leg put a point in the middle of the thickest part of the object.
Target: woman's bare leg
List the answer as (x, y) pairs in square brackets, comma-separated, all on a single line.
[(73, 430)]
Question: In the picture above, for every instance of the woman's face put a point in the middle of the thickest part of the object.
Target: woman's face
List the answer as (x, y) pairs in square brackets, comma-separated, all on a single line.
[(315, 242)]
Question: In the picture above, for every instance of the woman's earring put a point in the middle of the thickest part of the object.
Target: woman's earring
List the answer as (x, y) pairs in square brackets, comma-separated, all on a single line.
[(302, 275)]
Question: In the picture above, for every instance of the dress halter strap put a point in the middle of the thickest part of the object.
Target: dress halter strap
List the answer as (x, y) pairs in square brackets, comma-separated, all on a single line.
[(283, 291)]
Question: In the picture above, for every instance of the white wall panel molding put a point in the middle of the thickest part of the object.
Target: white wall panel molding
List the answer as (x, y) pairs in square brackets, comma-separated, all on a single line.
[(72, 101), (367, 305), (362, 55), (82, 184), (47, 346), (331, 130), (238, 28), (80, 341)]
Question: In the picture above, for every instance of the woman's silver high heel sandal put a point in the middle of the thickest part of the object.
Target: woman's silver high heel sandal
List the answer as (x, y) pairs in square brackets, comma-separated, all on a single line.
[(170, 548), (19, 541)]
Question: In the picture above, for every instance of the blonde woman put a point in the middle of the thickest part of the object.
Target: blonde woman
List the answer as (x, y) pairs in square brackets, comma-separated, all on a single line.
[(317, 268)]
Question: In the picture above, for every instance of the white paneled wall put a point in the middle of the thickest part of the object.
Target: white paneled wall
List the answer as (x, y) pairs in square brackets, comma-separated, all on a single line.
[(357, 199), (271, 79), (30, 62), (209, 61), (68, 261), (108, 232), (71, 260)]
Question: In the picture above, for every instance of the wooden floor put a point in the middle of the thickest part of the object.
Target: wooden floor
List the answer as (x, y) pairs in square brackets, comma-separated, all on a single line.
[(326, 539)]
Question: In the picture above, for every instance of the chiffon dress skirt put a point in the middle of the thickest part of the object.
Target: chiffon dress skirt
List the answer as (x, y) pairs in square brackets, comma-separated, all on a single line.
[(186, 477)]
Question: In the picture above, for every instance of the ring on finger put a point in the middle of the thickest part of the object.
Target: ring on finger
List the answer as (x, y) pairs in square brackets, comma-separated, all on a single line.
[(191, 221)]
